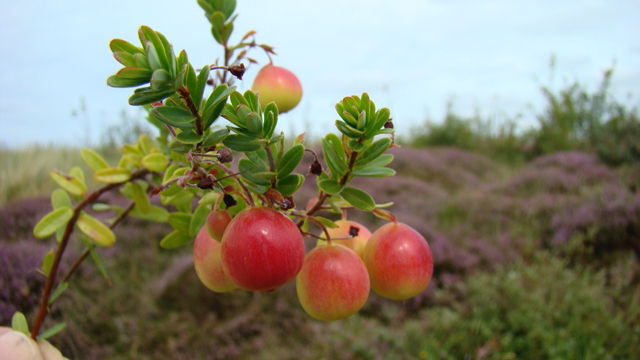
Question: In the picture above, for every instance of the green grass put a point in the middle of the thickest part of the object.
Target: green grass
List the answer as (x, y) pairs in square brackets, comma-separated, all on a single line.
[(24, 172)]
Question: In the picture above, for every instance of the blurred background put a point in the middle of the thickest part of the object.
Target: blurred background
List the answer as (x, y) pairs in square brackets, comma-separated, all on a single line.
[(519, 163)]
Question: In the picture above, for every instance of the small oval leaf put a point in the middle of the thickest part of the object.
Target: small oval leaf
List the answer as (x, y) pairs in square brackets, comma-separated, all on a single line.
[(155, 162), (290, 160), (93, 159), (358, 198), (174, 239), (96, 230), (51, 222), (112, 175), (19, 323), (69, 183)]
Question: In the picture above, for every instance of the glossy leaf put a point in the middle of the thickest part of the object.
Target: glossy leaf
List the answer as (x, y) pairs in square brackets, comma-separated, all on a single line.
[(19, 323), (247, 168), (58, 291), (198, 219), (355, 145), (189, 137), (326, 222), (348, 130), (335, 163), (180, 221), (51, 331), (173, 116), (134, 73), (270, 115), (95, 257), (181, 148), (215, 137), (175, 239), (242, 143), (77, 173), (119, 82), (125, 58), (52, 222), (144, 96), (381, 118), (158, 47), (112, 175), (372, 171), (93, 159), (289, 184), (60, 199), (253, 122), (330, 186), (358, 198), (155, 213), (140, 197), (201, 83), (122, 45), (47, 262), (211, 114), (160, 79), (290, 160), (336, 143), (96, 230), (72, 185), (374, 150)]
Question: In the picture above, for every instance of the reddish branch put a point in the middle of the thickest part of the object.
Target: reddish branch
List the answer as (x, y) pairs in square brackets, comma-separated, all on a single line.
[(46, 293)]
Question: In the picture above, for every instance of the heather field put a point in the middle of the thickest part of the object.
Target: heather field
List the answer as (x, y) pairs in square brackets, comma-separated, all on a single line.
[(535, 238)]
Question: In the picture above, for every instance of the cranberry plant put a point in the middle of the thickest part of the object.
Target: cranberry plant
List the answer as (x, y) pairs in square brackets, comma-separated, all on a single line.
[(226, 177)]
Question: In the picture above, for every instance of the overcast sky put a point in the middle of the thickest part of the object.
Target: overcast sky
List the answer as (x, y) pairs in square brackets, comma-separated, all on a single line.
[(410, 56)]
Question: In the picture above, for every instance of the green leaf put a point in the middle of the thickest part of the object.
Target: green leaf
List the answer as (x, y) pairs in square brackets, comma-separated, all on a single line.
[(173, 116), (179, 147), (381, 118), (330, 186), (69, 183), (51, 331), (380, 161), (355, 145), (198, 219), (119, 82), (95, 257), (209, 198), (247, 168), (253, 123), (290, 160), (58, 291), (358, 198), (175, 239), (122, 45), (374, 150), (134, 73), (47, 262), (112, 175), (180, 221), (19, 323), (228, 7), (141, 60), (96, 230), (348, 130), (60, 199), (140, 197), (93, 159), (215, 137), (77, 173), (336, 143), (51, 222), (160, 79), (372, 171), (336, 165), (158, 47), (125, 58), (144, 96), (201, 83), (211, 114), (289, 184), (242, 143), (270, 115), (145, 144), (362, 120), (189, 137), (326, 222), (219, 95), (155, 213)]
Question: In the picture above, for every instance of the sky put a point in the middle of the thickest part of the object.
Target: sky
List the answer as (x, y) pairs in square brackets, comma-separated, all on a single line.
[(412, 56)]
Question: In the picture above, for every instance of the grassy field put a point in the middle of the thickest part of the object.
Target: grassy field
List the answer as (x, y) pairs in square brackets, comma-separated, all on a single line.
[(535, 239)]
